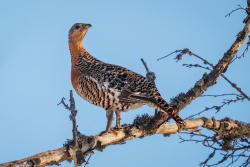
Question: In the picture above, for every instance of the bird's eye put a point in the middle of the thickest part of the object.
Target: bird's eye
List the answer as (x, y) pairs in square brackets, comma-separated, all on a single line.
[(77, 26)]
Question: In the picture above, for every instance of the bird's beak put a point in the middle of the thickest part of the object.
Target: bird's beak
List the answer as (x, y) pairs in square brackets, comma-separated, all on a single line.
[(87, 25)]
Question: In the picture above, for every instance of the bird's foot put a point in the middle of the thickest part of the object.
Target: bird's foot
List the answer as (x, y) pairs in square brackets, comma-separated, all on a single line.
[(179, 121), (105, 132), (117, 127), (181, 125), (111, 130)]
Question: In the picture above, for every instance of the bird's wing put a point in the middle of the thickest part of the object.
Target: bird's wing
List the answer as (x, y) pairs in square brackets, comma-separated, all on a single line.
[(135, 87), (121, 80)]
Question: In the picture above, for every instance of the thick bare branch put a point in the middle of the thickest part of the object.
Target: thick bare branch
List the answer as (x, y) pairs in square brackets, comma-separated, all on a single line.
[(124, 134)]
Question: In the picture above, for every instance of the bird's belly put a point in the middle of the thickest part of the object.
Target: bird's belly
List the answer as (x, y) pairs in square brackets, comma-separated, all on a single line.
[(132, 106), (101, 95)]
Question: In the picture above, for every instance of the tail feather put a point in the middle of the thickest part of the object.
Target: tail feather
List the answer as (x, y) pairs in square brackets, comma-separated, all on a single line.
[(160, 104)]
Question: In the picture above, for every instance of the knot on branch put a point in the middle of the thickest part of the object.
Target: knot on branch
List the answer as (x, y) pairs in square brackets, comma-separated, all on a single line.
[(181, 53), (151, 76), (231, 129), (82, 149)]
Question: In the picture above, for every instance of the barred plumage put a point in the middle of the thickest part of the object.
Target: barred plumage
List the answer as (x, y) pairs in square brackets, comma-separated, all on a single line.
[(112, 87)]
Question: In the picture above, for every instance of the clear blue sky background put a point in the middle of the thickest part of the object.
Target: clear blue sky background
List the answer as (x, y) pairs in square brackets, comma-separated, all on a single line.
[(35, 70)]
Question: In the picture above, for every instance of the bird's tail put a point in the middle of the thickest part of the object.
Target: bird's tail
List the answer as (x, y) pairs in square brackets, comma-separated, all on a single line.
[(161, 105)]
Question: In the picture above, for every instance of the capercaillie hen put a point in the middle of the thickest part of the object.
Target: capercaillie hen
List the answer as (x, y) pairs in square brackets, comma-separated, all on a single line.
[(112, 87)]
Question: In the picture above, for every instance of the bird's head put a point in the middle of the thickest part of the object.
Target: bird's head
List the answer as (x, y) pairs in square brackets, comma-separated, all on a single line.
[(78, 31)]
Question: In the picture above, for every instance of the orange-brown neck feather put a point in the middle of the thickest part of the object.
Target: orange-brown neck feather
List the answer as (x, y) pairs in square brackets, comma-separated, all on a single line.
[(76, 45)]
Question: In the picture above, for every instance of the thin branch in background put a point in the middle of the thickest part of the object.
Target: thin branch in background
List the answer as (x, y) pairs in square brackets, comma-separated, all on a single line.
[(182, 52), (78, 157), (244, 52), (247, 11), (224, 103), (62, 102), (196, 65), (87, 162), (225, 147), (231, 12), (217, 108), (220, 95)]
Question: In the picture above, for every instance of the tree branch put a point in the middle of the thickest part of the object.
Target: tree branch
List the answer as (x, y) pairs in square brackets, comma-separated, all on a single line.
[(77, 156), (129, 132), (207, 80), (227, 146), (180, 53)]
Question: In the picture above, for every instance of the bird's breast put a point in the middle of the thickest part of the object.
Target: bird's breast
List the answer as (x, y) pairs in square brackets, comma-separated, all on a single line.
[(99, 94)]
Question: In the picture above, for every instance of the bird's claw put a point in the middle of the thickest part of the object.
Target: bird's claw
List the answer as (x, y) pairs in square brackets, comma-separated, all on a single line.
[(181, 125), (111, 130), (117, 127)]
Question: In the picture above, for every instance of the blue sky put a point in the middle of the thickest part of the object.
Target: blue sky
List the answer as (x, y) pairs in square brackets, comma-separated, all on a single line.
[(35, 70)]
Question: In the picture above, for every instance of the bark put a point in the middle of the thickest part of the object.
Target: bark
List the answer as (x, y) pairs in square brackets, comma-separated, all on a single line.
[(131, 132)]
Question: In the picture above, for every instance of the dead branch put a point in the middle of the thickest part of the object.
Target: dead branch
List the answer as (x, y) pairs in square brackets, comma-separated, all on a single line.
[(126, 133), (150, 75), (74, 148), (231, 12)]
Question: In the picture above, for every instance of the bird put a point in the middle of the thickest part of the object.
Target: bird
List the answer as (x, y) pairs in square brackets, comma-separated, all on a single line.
[(112, 87)]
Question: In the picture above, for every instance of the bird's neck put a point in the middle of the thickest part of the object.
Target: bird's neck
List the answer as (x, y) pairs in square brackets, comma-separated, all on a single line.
[(77, 49)]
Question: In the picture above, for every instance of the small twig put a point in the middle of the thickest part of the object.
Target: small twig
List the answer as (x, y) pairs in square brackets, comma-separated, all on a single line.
[(218, 107), (145, 65), (150, 75), (64, 104), (196, 65), (239, 8), (87, 162), (181, 53), (220, 95), (168, 55), (236, 87), (74, 127), (73, 113), (244, 52), (73, 118)]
